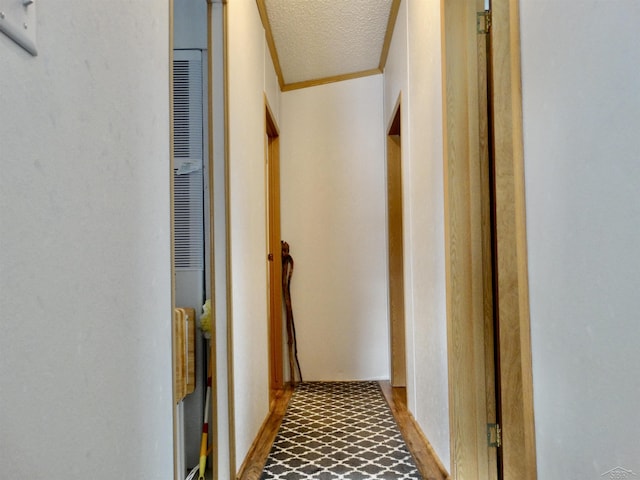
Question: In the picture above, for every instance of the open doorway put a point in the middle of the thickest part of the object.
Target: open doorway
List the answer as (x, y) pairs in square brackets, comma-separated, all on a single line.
[(274, 257), (190, 226), (395, 252), (198, 247)]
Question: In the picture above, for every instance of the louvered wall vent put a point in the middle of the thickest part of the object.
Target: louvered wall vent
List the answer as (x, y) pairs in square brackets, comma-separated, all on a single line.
[(188, 148)]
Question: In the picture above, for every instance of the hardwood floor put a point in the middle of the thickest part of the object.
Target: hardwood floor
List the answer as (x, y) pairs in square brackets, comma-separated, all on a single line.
[(428, 464), (259, 451), (422, 451)]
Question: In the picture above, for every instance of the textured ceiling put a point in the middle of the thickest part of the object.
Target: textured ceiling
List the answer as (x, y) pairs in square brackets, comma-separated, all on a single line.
[(318, 39)]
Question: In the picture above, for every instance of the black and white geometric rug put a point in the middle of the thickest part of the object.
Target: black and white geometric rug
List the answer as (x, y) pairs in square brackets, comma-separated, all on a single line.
[(339, 430)]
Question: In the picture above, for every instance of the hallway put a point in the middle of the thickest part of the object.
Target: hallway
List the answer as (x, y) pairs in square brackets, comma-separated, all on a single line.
[(86, 284), (341, 430)]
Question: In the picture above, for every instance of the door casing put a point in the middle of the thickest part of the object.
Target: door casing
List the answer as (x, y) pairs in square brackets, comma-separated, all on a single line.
[(274, 259), (395, 251), (469, 346)]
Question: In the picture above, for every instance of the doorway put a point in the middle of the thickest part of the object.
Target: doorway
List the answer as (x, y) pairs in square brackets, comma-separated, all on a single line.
[(491, 404), (274, 255), (198, 146), (190, 236), (395, 252)]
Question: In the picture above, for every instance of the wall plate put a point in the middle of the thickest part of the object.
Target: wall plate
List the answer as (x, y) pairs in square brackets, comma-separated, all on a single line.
[(18, 22)]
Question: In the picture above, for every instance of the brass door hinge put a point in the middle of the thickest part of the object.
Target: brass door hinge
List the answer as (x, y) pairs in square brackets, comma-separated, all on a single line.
[(494, 435), (483, 22)]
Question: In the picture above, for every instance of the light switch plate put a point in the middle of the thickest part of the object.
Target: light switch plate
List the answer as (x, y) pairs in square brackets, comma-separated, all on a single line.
[(18, 22)]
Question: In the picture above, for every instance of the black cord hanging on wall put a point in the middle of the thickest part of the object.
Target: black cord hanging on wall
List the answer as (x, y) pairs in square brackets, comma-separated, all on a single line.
[(292, 344)]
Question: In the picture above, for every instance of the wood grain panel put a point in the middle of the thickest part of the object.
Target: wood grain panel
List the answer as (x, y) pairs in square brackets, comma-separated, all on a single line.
[(393, 15), (184, 352), (465, 247), (518, 450), (487, 230), (262, 9), (190, 349), (179, 385), (465, 250), (396, 259), (396, 253), (322, 81)]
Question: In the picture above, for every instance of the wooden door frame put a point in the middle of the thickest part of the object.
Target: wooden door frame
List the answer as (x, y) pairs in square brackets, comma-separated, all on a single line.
[(516, 378), (274, 270), (466, 344), (397, 332)]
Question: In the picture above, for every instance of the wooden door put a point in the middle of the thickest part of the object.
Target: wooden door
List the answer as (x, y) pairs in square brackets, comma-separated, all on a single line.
[(518, 454), (487, 293), (469, 252)]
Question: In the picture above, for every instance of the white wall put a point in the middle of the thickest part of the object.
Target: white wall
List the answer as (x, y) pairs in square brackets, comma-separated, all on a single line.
[(581, 110), (85, 258), (333, 216), (271, 85), (248, 78), (426, 248), (414, 70)]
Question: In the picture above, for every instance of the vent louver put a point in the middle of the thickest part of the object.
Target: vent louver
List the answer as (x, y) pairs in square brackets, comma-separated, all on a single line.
[(188, 148)]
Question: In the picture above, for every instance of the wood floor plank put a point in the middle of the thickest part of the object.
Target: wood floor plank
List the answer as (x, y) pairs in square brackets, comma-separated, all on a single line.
[(252, 467), (426, 460)]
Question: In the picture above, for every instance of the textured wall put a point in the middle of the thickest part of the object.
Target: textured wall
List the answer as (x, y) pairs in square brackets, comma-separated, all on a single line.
[(333, 216), (424, 181), (271, 86), (84, 232), (581, 110), (414, 70), (246, 71)]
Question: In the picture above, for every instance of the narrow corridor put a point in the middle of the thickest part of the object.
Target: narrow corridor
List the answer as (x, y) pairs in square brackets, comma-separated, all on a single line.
[(341, 430)]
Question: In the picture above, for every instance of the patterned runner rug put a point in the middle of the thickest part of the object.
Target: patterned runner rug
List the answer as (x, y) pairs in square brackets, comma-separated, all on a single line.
[(339, 430)]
